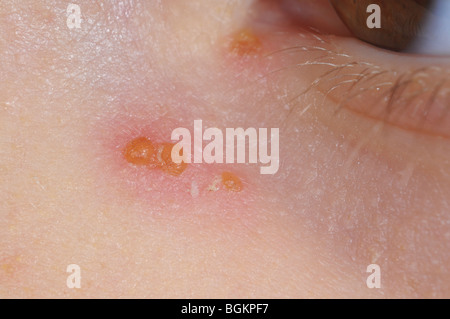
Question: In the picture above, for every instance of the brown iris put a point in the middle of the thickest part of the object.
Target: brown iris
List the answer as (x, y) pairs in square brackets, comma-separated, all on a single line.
[(401, 21)]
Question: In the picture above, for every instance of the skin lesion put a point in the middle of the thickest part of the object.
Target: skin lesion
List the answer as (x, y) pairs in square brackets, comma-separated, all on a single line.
[(15, 273), (231, 182), (142, 152), (245, 43)]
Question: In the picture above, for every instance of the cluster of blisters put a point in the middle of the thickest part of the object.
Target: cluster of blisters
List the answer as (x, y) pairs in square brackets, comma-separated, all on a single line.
[(143, 152)]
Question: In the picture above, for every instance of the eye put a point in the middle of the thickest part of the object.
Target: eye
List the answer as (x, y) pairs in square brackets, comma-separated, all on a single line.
[(408, 91), (414, 26)]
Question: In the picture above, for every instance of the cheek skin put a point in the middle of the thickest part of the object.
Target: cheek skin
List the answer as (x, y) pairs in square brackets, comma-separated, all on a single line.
[(370, 203), (361, 190), (238, 59), (378, 193)]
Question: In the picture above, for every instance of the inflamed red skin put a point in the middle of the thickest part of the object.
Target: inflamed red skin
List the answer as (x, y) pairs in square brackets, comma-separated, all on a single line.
[(86, 121)]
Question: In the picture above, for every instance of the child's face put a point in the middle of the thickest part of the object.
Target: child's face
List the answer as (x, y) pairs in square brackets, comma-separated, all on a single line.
[(363, 176)]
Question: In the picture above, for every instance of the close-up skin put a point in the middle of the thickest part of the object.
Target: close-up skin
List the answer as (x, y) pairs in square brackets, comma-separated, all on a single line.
[(358, 138)]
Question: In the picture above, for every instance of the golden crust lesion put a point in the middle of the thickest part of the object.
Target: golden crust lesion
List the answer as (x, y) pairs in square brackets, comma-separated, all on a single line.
[(231, 182), (143, 152), (245, 43)]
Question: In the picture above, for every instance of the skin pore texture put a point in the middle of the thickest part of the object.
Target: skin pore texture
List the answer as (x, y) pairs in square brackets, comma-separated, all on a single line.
[(363, 178)]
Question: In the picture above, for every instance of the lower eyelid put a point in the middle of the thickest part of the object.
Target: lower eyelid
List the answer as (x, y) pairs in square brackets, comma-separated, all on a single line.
[(406, 91), (414, 95)]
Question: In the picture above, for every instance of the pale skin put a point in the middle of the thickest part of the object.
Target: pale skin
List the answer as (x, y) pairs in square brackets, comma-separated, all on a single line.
[(351, 189)]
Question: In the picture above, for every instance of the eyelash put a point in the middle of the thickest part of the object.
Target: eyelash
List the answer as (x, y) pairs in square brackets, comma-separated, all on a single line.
[(405, 99)]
